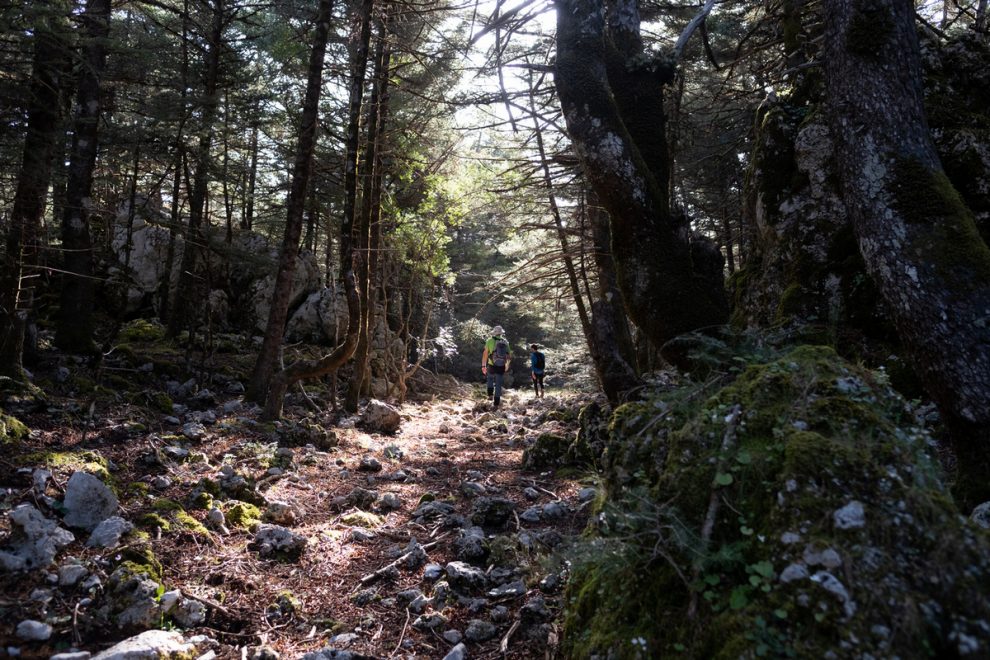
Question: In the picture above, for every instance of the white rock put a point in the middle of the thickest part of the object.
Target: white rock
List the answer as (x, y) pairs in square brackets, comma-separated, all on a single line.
[(835, 587), (149, 645), (88, 501), (981, 515), (851, 516), (380, 417), (34, 540), (107, 534), (72, 655), (794, 572), (70, 574), (33, 631), (459, 652)]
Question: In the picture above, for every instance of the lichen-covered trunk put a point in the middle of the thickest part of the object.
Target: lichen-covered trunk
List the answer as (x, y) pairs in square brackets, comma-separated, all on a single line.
[(17, 276), (301, 170), (917, 237), (75, 324), (671, 281)]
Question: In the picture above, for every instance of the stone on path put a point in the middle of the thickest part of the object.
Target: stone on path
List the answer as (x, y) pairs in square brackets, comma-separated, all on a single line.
[(33, 631), (459, 652), (88, 501), (34, 540), (380, 417), (150, 645), (107, 534)]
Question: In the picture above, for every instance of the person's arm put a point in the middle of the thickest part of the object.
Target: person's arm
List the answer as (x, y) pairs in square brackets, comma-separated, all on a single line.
[(484, 359)]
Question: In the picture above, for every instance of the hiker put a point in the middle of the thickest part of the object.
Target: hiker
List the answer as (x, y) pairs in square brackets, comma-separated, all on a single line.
[(495, 362), (537, 366)]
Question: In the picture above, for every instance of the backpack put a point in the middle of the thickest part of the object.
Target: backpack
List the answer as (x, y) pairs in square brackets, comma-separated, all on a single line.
[(501, 352), (539, 362)]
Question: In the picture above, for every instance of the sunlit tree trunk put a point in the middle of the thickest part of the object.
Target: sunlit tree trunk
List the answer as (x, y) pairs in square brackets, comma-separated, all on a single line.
[(75, 325), (295, 205), (18, 273), (917, 237)]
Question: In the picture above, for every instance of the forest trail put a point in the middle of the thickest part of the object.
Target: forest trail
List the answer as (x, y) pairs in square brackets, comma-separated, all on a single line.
[(384, 519)]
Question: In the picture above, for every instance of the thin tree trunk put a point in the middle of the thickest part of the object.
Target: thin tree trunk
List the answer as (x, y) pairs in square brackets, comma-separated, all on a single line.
[(185, 303), (75, 326), (16, 276), (302, 167), (918, 239), (228, 202), (367, 229), (248, 221)]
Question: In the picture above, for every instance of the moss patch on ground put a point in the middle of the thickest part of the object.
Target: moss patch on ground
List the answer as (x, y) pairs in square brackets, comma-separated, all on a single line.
[(793, 512), (87, 461)]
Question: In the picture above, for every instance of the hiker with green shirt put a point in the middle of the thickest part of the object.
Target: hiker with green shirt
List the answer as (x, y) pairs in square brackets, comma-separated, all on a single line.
[(495, 362)]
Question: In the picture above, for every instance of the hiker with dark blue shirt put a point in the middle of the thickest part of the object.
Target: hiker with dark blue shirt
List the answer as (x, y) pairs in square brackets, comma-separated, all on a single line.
[(495, 362), (537, 365)]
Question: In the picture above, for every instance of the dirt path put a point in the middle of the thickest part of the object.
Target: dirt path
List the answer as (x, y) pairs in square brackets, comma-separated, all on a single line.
[(448, 487)]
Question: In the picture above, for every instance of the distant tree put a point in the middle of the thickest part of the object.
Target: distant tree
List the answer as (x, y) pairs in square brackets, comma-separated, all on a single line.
[(75, 324)]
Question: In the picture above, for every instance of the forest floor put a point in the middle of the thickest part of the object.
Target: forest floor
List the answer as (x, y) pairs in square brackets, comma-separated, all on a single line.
[(384, 517)]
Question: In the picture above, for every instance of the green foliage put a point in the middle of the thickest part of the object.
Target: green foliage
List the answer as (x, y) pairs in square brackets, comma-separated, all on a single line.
[(12, 430), (770, 458)]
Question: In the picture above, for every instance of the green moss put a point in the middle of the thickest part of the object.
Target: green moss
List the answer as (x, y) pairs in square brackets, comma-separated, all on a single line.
[(139, 558), (244, 515), (209, 486), (362, 519), (778, 451), (142, 331), (86, 461), (190, 524), (947, 234), (167, 505), (549, 450), (202, 500), (138, 489), (153, 520), (161, 401), (12, 430)]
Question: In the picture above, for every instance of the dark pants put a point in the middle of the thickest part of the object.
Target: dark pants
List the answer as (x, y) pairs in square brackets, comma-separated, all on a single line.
[(495, 376), (538, 383)]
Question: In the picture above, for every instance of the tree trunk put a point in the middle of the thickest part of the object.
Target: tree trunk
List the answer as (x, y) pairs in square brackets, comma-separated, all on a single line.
[(75, 326), (190, 294), (671, 281), (248, 220), (16, 288), (368, 229), (301, 170), (917, 237)]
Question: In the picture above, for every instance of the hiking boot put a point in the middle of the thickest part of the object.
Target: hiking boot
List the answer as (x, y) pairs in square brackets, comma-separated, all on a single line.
[(495, 404)]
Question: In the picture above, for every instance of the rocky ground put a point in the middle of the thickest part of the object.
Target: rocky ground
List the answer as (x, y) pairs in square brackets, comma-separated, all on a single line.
[(410, 532)]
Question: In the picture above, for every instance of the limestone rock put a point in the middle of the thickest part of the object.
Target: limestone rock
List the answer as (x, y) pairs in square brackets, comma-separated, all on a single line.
[(480, 631), (107, 534), (132, 594), (88, 501), (33, 631), (465, 577), (34, 540), (321, 316), (380, 417), (150, 645), (274, 541)]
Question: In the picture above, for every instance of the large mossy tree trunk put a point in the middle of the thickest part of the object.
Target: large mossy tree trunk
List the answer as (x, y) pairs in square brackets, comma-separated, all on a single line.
[(295, 205), (75, 324), (18, 272), (611, 95), (918, 238)]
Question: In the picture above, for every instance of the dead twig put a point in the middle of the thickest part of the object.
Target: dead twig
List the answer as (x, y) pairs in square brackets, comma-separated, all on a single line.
[(503, 646), (401, 636), (209, 602), (371, 577)]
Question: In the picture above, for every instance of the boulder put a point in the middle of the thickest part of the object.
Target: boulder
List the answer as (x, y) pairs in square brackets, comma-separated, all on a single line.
[(464, 577), (380, 417), (274, 541), (150, 645), (305, 280), (33, 631), (132, 594), (88, 501), (34, 540), (322, 316), (107, 534)]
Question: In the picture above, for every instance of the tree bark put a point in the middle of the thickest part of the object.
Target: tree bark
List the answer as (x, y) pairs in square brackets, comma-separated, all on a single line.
[(917, 237), (302, 168), (671, 281), (248, 221), (368, 230), (16, 288), (182, 307), (75, 326)]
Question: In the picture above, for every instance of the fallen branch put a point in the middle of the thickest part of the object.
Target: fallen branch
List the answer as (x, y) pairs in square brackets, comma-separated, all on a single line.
[(371, 577), (401, 636), (503, 646), (209, 602)]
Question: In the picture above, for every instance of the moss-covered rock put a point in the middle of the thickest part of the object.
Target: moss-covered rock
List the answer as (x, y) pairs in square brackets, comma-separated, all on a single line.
[(795, 512), (548, 451), (142, 331), (12, 430), (362, 519), (72, 461), (243, 515)]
